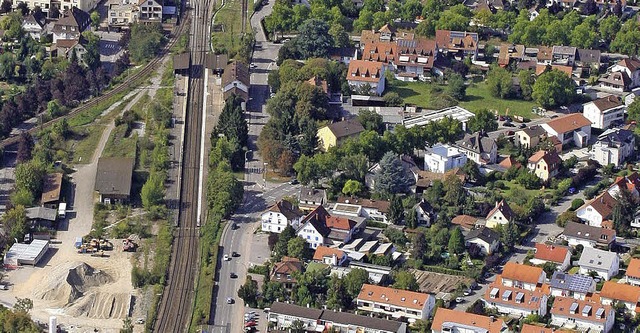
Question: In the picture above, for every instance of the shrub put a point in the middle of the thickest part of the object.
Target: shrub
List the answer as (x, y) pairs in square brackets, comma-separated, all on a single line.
[(576, 203)]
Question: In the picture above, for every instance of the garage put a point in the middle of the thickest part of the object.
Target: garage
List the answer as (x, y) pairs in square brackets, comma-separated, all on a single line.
[(26, 254)]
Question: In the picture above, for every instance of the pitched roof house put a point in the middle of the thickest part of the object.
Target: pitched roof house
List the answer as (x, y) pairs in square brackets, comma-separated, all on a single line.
[(500, 214), (236, 80), (329, 256), (283, 271), (577, 286), (604, 263), (279, 216), (605, 112), (73, 22), (479, 148), (573, 128), (447, 320), (522, 276), (320, 228), (582, 314), (309, 198), (615, 81), (51, 189), (395, 302), (621, 293), (460, 44), (588, 236), (336, 133), (544, 164), (514, 301), (370, 74), (631, 67), (382, 51), (598, 210), (614, 146), (556, 254), (530, 137), (416, 56), (114, 178), (484, 238), (632, 275)]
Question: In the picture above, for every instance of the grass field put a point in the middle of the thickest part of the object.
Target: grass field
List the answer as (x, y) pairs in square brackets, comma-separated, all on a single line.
[(119, 145), (229, 21), (83, 144), (478, 97), (417, 93)]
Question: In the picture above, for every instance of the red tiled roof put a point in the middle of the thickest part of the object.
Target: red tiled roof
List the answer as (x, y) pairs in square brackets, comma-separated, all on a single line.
[(324, 251), (563, 306), (620, 291), (380, 51), (530, 299), (634, 268), (465, 221), (603, 204), (444, 315), (520, 272), (568, 123), (392, 296), (552, 253), (367, 71), (341, 223)]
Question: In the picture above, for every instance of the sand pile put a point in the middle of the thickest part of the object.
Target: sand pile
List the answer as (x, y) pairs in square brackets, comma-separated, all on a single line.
[(69, 282)]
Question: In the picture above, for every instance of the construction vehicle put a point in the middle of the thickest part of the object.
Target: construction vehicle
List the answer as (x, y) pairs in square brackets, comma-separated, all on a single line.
[(128, 245)]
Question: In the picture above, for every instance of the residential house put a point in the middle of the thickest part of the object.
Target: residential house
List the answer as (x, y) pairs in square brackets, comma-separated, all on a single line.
[(563, 55), (465, 222), (41, 217), (329, 256), (73, 22), (279, 216), (522, 276), (319, 228), (32, 4), (514, 301), (555, 254), (395, 303), (614, 146), (408, 164), (614, 292), (573, 128), (335, 134), (577, 286), (375, 210), (530, 137), (70, 48), (583, 315), (343, 54), (113, 179), (424, 212), (51, 189), (320, 83), (479, 148), (605, 112), (452, 321), (501, 214), (631, 67), (508, 52), (282, 316), (632, 275), (416, 57), (442, 157), (545, 164), (589, 60), (544, 55), (364, 74), (236, 80), (615, 81), (510, 161), (609, 4), (309, 198), (588, 236), (459, 44), (631, 182), (284, 272), (151, 10), (122, 14), (35, 24), (84, 5), (605, 263), (384, 52), (485, 239), (536, 328), (598, 210)]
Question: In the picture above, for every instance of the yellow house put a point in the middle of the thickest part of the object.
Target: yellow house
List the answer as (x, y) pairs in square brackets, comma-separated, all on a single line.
[(334, 134), (500, 214), (545, 164)]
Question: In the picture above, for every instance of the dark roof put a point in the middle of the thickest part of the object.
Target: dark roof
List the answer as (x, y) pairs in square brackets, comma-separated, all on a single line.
[(216, 61), (535, 131), (484, 234), (571, 282), (616, 78), (287, 209), (346, 128), (589, 56), (73, 17), (476, 142), (236, 71), (41, 213), (38, 18), (503, 207), (583, 231), (317, 218), (308, 193), (182, 61), (616, 136), (342, 51), (568, 50), (425, 206), (114, 175), (295, 310), (609, 102)]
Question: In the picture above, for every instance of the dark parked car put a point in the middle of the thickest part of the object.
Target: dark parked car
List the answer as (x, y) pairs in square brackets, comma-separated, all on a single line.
[(235, 254), (233, 275)]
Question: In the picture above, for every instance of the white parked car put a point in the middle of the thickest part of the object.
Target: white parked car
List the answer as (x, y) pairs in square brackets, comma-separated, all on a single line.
[(226, 257)]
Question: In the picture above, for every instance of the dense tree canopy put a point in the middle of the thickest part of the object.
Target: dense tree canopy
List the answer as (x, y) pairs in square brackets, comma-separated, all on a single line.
[(554, 88)]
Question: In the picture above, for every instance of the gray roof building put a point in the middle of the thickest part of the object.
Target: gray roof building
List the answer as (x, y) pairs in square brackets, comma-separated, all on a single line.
[(577, 283), (585, 232), (114, 176), (485, 234), (597, 259), (616, 136), (41, 213)]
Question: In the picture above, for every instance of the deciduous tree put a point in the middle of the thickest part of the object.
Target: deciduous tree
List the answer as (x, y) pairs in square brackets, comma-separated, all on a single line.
[(554, 88), (405, 280)]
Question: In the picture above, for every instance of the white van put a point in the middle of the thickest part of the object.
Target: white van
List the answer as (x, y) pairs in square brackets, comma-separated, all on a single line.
[(62, 210)]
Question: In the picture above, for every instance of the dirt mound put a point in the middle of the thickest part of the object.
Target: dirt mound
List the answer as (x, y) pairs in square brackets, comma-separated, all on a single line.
[(69, 282), (100, 305)]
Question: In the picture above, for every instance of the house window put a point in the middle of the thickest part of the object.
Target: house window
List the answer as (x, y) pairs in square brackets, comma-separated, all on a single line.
[(316, 238)]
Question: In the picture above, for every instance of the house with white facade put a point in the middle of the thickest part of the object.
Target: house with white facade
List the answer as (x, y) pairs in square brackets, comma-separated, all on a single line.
[(320, 228), (236, 79), (522, 276), (632, 275), (570, 129), (309, 198), (555, 254), (604, 263), (484, 238), (583, 315), (442, 157), (605, 112), (614, 146), (597, 210), (631, 182), (545, 164), (424, 212), (395, 303), (369, 74), (372, 209), (279, 216), (515, 302), (614, 292), (530, 137), (501, 214), (479, 148), (577, 286), (35, 25), (631, 67), (329, 256), (74, 21), (582, 234), (452, 321)]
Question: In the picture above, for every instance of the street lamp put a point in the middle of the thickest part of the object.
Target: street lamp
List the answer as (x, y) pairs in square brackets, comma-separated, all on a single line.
[(264, 175), (246, 168)]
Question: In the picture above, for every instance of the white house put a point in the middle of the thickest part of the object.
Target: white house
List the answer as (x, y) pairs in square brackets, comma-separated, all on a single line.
[(620, 293), (150, 10), (368, 74), (556, 254), (604, 263), (235, 79), (278, 216), (577, 286), (631, 182), (319, 228), (582, 315), (395, 303), (631, 67), (582, 234), (522, 276), (443, 157), (375, 210), (605, 112), (573, 128), (329, 256), (484, 238), (598, 210), (515, 302), (632, 275), (34, 24), (424, 212), (452, 321), (501, 214), (479, 148), (614, 146)]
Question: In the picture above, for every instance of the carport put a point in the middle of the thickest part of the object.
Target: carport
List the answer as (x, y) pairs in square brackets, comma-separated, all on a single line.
[(181, 63)]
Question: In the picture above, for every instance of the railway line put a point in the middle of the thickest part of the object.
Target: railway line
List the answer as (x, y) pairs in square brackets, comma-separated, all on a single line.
[(174, 314), (122, 87)]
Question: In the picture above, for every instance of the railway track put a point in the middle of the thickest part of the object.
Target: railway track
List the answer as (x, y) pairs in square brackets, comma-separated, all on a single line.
[(175, 311)]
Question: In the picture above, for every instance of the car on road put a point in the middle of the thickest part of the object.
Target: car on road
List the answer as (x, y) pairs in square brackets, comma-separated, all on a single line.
[(252, 65), (459, 299), (235, 254), (508, 124), (229, 300), (249, 317), (501, 118), (140, 321), (294, 181), (467, 292), (250, 324), (226, 257), (233, 275), (523, 125), (509, 133)]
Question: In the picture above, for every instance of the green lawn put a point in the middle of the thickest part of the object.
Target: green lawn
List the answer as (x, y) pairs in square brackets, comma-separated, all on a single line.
[(229, 21), (83, 143), (478, 97), (417, 93), (119, 145)]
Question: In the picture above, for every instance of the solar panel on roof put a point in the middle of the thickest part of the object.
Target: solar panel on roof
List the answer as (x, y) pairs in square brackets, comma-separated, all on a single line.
[(586, 311)]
